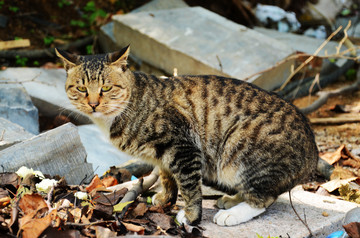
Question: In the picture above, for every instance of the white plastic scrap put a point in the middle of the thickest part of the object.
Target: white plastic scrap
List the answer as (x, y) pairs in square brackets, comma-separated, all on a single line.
[(81, 195), (45, 185), (276, 14), (24, 171)]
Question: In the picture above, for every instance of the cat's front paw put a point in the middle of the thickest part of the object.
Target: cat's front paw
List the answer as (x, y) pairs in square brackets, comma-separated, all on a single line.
[(160, 199), (180, 217), (240, 213)]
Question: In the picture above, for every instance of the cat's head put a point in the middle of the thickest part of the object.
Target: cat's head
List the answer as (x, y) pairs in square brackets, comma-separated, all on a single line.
[(97, 85)]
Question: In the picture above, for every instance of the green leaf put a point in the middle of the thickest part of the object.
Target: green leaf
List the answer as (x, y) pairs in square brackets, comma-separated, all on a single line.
[(90, 6), (89, 49), (120, 206), (149, 200), (48, 40)]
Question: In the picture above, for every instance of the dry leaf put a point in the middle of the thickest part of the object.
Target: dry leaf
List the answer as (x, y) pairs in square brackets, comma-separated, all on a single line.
[(341, 173), (348, 193), (35, 227), (343, 156), (162, 220), (103, 232), (134, 228), (10, 178), (95, 183), (139, 210), (353, 229), (31, 203), (337, 183), (109, 181)]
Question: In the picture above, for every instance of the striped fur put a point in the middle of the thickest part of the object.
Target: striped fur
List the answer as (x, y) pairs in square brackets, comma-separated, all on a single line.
[(218, 131)]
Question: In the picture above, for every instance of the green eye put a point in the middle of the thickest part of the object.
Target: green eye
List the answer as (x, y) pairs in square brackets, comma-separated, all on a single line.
[(82, 89), (106, 88)]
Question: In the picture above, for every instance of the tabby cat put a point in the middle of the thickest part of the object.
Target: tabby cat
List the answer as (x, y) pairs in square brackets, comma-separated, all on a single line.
[(210, 130)]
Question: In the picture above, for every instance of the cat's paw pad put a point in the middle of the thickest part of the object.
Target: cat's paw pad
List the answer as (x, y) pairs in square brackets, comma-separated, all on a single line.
[(180, 217), (240, 213)]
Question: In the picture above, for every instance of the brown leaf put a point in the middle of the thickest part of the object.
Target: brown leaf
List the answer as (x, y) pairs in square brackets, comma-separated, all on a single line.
[(95, 183), (10, 178), (343, 156), (134, 228), (32, 202), (157, 208), (137, 221), (103, 232), (35, 227), (109, 199), (341, 173), (162, 220), (139, 210), (353, 229), (109, 181)]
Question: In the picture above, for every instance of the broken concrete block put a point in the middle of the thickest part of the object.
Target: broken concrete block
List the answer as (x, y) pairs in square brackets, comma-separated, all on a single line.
[(16, 106), (197, 41), (11, 133), (55, 152), (300, 43), (100, 152), (46, 88), (324, 215)]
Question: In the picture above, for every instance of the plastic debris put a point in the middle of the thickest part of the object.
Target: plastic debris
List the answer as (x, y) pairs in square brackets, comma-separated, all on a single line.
[(286, 21)]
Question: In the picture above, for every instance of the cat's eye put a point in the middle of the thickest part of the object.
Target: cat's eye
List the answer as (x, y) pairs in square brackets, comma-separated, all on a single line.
[(106, 88), (82, 89)]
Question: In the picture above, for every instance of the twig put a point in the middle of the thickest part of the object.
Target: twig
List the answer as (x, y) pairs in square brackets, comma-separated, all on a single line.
[(220, 64), (44, 53), (324, 96), (138, 188), (88, 224), (310, 58), (302, 221)]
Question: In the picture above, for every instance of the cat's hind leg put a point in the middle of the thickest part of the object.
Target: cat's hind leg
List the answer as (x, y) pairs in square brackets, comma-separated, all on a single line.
[(239, 213)]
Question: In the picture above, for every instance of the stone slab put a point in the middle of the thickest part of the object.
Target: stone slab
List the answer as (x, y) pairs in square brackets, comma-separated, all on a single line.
[(11, 133), (46, 88), (300, 42), (280, 219), (17, 107), (100, 152), (55, 152), (197, 41)]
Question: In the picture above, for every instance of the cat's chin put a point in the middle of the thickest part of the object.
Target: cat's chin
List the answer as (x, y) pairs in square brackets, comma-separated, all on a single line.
[(97, 114)]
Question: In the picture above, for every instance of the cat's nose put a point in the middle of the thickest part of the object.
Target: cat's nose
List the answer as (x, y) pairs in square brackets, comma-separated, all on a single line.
[(93, 105)]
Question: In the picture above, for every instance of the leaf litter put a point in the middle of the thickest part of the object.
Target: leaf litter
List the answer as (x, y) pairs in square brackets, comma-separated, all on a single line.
[(78, 211)]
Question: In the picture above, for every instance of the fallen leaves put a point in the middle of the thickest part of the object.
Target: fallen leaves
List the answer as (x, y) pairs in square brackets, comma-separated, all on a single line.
[(344, 181), (68, 211)]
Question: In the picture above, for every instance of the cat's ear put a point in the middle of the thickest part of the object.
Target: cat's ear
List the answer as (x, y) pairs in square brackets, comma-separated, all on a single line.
[(70, 60), (119, 58)]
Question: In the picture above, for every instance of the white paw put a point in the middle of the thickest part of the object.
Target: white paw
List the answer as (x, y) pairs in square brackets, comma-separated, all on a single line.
[(180, 217), (240, 213), (153, 199)]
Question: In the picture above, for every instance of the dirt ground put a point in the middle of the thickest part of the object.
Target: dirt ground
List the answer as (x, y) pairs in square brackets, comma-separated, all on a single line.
[(330, 137)]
